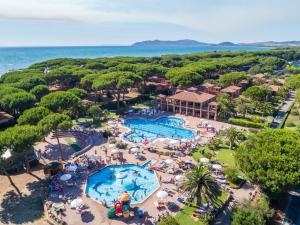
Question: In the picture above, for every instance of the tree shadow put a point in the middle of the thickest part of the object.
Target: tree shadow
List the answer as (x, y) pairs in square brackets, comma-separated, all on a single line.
[(16, 209)]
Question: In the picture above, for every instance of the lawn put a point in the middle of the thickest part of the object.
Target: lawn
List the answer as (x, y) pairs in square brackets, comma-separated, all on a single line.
[(184, 217), (293, 119), (224, 155)]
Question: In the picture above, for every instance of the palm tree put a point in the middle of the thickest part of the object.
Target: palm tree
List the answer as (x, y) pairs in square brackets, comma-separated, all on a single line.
[(226, 108), (233, 135), (201, 185)]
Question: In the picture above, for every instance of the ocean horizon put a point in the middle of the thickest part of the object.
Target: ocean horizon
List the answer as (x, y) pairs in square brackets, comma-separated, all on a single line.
[(15, 58)]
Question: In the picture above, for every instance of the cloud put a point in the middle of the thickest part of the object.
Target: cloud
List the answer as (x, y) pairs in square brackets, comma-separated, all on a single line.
[(215, 17)]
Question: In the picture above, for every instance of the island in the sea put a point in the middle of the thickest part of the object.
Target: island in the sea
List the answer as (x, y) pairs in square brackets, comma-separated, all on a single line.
[(193, 43)]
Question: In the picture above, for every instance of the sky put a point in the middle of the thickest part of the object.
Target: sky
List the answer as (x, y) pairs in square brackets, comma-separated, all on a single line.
[(123, 22)]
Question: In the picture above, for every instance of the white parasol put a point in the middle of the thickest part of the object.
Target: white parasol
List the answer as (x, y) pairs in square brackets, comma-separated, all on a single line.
[(173, 142), (112, 145), (71, 168), (169, 161), (134, 150), (204, 160), (162, 194), (179, 178), (216, 166), (115, 151), (66, 177), (92, 156), (77, 203)]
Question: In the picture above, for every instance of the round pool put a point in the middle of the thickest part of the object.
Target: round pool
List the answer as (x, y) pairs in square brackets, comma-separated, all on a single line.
[(110, 182)]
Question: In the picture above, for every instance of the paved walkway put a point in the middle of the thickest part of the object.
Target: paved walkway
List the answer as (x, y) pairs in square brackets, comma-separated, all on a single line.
[(239, 195), (283, 109)]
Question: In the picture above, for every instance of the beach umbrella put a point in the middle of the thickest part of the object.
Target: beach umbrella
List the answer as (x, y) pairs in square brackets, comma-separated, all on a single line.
[(173, 142), (65, 177), (216, 166), (169, 161), (71, 168), (204, 160), (184, 140), (92, 157), (77, 203), (134, 150), (179, 178), (115, 151), (162, 194), (111, 145)]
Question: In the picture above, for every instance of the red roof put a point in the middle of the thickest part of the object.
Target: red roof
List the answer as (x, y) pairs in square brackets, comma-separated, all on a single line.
[(231, 89), (274, 88), (259, 75), (192, 97)]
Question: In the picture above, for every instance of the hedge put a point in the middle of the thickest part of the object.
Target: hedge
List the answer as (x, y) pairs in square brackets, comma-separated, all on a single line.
[(247, 123)]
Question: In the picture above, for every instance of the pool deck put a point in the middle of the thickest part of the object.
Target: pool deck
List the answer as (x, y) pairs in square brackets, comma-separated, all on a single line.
[(98, 212)]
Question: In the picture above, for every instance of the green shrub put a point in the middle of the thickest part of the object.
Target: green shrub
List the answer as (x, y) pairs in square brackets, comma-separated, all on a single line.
[(232, 175), (247, 123), (107, 133), (168, 221), (121, 145)]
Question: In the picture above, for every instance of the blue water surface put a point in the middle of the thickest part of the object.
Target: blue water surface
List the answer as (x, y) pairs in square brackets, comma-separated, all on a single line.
[(164, 127), (13, 58), (110, 182)]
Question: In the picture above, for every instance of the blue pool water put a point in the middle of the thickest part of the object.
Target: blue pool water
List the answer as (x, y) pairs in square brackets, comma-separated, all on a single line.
[(293, 210), (164, 127), (110, 182)]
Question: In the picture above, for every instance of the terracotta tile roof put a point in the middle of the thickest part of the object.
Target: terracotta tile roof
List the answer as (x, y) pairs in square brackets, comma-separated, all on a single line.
[(231, 89), (244, 82), (274, 88), (259, 75), (192, 97), (161, 96), (207, 85)]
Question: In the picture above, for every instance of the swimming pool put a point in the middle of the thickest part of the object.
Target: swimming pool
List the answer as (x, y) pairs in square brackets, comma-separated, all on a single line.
[(164, 127), (110, 182)]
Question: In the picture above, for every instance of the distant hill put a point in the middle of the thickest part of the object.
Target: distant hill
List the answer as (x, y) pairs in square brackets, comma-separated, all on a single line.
[(188, 42), (185, 42), (274, 44), (227, 43)]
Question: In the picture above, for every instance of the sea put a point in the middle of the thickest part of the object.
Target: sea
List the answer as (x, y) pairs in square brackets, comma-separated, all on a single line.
[(15, 58)]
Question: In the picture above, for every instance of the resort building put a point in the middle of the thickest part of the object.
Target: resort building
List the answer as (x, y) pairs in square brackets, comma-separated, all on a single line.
[(233, 91), (210, 89), (189, 103)]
